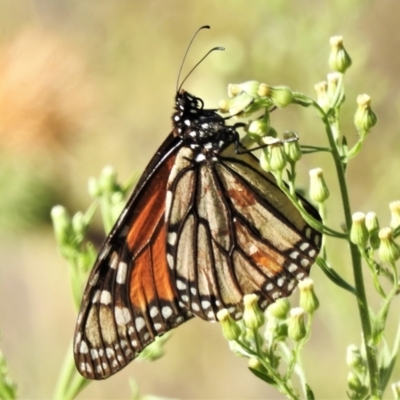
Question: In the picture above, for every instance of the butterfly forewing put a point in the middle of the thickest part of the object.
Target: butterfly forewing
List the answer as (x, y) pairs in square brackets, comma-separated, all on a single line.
[(129, 299)]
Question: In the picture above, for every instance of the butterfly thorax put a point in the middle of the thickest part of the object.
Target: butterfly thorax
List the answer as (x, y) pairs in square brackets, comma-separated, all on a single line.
[(203, 130)]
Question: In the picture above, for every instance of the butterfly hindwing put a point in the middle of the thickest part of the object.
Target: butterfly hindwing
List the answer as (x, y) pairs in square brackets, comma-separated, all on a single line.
[(232, 231)]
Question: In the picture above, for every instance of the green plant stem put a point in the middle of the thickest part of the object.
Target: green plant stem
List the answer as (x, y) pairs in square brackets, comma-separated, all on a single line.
[(281, 383), (362, 303), (69, 383)]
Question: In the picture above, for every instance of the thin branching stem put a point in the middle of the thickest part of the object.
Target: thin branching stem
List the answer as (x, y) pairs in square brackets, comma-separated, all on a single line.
[(362, 303)]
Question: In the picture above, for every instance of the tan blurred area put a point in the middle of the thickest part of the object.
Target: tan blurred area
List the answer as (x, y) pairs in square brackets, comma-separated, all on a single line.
[(89, 84)]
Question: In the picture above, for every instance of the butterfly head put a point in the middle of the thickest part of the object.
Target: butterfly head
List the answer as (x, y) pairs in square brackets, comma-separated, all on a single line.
[(187, 109), (202, 129)]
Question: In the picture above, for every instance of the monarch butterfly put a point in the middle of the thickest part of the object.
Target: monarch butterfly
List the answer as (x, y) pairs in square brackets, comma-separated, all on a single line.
[(204, 226)]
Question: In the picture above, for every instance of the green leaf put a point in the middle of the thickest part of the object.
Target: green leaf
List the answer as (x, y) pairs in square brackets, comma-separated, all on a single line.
[(263, 377), (309, 393), (334, 276), (386, 365)]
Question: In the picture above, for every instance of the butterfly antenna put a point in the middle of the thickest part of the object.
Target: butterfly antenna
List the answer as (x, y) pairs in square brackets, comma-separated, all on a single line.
[(178, 87)]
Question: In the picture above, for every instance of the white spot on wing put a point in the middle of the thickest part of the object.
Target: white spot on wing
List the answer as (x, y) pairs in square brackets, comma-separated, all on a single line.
[(96, 297), (105, 297), (94, 354), (114, 260), (180, 285), (168, 203), (153, 312), (170, 260), (121, 272), (83, 348), (109, 352), (139, 323), (292, 267), (269, 287), (252, 249), (304, 246), (157, 326), (166, 311), (300, 275), (205, 304), (172, 237), (304, 262), (104, 252), (200, 157), (122, 315)]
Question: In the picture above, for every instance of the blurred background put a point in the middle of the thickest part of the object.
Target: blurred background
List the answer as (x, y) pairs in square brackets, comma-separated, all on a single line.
[(84, 85)]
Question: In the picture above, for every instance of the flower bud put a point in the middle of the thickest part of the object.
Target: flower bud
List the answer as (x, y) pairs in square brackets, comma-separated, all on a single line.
[(354, 359), (254, 363), (253, 317), (358, 390), (395, 214), (223, 106), (371, 222), (260, 371), (279, 309), (239, 104), (264, 90), (281, 96), (396, 389), (230, 328), (107, 180), (296, 325), (389, 251), (276, 152), (318, 190), (260, 127), (94, 188), (364, 118), (358, 232), (339, 59), (333, 81), (308, 299), (118, 203), (249, 87), (265, 160), (233, 90), (322, 94), (62, 224), (79, 224), (372, 225), (292, 147)]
